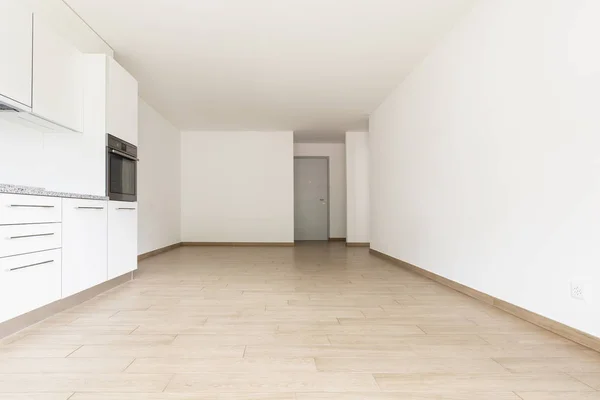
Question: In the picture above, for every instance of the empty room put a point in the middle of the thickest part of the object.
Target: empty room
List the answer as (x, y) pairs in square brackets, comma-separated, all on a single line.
[(299, 200)]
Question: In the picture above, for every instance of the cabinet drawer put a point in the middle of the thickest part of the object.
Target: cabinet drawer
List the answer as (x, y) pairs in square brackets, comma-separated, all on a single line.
[(21, 239), (23, 209), (28, 282)]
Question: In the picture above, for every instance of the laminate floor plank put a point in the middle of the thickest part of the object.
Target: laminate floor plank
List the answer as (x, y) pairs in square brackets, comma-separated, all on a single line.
[(409, 396), (503, 382), (242, 365), (559, 395), (258, 381), (590, 379), (410, 366), (40, 383)]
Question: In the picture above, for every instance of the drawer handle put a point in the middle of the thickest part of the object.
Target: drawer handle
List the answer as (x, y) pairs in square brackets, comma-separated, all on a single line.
[(30, 236), (30, 265), (31, 205), (90, 208), (125, 208)]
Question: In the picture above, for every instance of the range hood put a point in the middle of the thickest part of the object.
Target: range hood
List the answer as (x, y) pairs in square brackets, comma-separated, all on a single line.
[(21, 114)]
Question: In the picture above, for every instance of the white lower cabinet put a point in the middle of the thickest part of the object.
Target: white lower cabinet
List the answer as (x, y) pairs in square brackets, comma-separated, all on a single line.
[(122, 238), (84, 244), (28, 282)]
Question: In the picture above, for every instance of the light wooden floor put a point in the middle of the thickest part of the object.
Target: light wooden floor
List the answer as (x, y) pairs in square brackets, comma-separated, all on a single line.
[(308, 323)]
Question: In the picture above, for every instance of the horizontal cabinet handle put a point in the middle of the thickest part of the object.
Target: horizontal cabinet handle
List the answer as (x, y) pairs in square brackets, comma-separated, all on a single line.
[(30, 265), (30, 236), (31, 205), (90, 208), (125, 208), (125, 155)]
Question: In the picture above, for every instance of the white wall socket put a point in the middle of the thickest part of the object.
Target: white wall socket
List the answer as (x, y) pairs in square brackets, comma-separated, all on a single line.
[(578, 289)]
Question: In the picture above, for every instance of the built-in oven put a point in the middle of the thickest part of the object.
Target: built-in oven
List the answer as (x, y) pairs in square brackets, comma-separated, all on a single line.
[(121, 170)]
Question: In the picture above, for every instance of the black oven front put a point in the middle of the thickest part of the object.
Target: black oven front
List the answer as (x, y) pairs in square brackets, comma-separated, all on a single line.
[(121, 170)]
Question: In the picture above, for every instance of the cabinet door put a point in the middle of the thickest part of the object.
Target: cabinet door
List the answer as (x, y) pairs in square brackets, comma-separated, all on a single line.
[(28, 282), (122, 238), (57, 78), (122, 103), (15, 48), (84, 244)]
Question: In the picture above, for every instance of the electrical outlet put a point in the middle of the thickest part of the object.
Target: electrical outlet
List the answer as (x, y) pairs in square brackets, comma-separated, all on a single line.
[(578, 290)]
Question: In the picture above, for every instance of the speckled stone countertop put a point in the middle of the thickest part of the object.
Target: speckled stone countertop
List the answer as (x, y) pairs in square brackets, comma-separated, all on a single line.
[(36, 191)]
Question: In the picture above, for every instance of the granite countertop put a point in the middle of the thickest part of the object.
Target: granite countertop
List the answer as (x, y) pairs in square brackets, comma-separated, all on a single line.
[(37, 191)]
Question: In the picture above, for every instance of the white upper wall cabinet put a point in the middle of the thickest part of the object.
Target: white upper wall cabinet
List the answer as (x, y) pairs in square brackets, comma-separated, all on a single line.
[(15, 50), (122, 103), (57, 78)]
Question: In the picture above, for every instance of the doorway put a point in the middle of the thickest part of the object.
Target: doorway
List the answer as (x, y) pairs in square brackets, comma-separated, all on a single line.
[(311, 198)]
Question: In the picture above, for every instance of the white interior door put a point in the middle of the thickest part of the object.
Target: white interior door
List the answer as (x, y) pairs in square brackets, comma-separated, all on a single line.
[(311, 210)]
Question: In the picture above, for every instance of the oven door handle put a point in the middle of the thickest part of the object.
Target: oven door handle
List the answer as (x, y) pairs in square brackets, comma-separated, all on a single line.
[(120, 153)]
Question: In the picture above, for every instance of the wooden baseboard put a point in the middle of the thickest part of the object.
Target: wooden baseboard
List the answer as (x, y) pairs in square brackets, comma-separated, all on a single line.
[(158, 251), (240, 244), (558, 328), (337, 239), (358, 244), (33, 317)]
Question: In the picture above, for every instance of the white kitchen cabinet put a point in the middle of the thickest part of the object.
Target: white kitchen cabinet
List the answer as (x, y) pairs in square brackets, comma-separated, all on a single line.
[(57, 77), (15, 50), (28, 282), (121, 103), (122, 238), (84, 241)]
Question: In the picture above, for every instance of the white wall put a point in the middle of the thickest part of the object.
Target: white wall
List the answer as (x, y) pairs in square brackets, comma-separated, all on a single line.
[(159, 181), (337, 181), (19, 146), (237, 187), (486, 160), (357, 187)]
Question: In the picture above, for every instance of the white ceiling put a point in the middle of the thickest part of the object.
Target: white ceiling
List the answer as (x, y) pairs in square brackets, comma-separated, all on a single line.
[(320, 65)]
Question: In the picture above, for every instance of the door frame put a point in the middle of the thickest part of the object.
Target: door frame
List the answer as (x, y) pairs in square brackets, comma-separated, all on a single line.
[(328, 189)]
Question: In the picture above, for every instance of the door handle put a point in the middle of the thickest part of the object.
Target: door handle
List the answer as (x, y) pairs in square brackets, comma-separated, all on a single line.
[(125, 155), (30, 236), (29, 266), (90, 208), (31, 206)]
